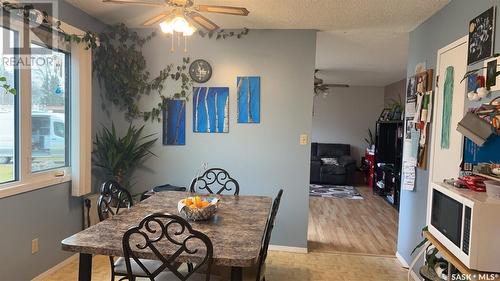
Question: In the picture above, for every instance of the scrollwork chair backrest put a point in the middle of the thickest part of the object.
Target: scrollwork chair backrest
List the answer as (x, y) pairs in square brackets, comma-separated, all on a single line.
[(162, 230), (215, 181), (112, 199)]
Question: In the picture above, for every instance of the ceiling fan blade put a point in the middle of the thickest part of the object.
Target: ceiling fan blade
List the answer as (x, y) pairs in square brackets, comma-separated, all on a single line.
[(135, 2), (336, 85), (158, 18), (202, 21), (238, 11)]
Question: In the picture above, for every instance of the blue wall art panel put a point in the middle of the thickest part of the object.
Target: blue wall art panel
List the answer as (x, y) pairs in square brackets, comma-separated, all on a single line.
[(248, 99), (210, 109), (174, 123)]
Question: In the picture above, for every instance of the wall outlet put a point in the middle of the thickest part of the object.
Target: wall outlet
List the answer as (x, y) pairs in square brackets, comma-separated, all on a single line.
[(34, 246), (303, 139)]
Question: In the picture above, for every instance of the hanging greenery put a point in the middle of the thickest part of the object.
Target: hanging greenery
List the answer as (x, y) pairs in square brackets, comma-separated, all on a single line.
[(222, 34), (120, 65)]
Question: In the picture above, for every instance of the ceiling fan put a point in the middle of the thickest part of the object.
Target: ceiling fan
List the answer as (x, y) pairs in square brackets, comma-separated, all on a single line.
[(321, 88), (183, 15)]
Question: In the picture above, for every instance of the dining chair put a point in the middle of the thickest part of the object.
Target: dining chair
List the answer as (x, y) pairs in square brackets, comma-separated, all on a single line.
[(163, 230), (112, 200), (215, 180), (257, 272), (260, 270)]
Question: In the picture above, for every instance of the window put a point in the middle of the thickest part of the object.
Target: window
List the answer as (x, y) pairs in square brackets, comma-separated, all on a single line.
[(45, 130), (8, 112), (49, 109)]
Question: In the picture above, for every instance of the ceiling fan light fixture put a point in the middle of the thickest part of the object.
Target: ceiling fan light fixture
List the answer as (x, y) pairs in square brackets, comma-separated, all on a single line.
[(189, 31), (166, 27), (179, 24)]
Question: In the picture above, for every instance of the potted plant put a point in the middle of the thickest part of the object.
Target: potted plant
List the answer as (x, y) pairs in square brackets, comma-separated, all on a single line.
[(118, 156), (396, 109)]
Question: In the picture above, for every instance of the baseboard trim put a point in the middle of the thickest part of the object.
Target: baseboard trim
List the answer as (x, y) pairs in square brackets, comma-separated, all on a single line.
[(288, 249), (401, 260), (55, 268)]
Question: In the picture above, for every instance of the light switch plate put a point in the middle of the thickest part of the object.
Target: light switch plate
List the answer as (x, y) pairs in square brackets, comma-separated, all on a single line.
[(34, 246), (303, 139)]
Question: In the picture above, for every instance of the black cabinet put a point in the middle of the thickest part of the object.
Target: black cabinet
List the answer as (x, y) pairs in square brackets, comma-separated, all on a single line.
[(388, 160)]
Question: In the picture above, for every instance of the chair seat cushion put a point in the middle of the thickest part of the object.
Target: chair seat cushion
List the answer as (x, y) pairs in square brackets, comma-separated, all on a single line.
[(121, 267), (169, 276)]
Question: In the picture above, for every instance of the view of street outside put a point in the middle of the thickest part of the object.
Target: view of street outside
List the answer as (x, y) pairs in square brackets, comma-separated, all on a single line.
[(48, 90)]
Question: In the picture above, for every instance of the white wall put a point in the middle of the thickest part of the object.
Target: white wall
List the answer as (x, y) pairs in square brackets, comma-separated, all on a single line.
[(345, 115), (262, 157), (395, 92)]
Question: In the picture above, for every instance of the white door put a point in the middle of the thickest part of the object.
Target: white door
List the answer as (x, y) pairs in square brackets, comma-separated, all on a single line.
[(445, 162)]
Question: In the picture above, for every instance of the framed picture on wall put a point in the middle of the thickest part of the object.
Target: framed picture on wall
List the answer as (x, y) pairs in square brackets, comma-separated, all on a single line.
[(481, 36)]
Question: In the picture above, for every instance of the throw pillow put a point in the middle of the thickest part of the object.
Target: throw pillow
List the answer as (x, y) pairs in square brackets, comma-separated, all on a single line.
[(330, 161)]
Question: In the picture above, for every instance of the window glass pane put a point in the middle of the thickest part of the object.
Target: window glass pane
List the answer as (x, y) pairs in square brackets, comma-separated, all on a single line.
[(49, 109), (7, 111)]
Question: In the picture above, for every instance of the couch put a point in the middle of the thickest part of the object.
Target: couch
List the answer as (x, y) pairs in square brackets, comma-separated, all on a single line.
[(323, 171)]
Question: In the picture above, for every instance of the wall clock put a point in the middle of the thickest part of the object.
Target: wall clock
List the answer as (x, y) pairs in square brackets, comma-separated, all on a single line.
[(200, 71)]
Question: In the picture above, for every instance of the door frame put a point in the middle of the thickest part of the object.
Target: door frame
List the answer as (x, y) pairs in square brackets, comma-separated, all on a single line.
[(449, 47)]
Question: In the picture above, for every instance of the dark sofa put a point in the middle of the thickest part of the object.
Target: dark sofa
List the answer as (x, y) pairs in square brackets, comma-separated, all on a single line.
[(340, 173)]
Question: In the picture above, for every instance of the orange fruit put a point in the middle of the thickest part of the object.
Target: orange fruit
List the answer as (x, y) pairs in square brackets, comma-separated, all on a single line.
[(197, 200), (204, 204), (188, 201)]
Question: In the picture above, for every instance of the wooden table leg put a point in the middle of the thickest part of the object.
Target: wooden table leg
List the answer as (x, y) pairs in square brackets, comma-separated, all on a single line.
[(236, 273), (85, 267)]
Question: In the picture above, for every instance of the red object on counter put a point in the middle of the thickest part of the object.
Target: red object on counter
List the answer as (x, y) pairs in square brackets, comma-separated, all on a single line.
[(370, 161), (474, 183)]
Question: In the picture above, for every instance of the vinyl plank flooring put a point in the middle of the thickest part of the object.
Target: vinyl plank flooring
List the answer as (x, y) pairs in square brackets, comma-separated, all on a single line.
[(283, 266), (367, 226)]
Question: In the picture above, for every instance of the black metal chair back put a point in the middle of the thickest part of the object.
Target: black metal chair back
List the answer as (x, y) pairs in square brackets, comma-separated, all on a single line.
[(164, 228), (215, 180), (113, 198), (267, 236)]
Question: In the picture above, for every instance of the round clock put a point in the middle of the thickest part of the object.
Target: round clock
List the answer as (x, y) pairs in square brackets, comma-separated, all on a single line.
[(200, 71)]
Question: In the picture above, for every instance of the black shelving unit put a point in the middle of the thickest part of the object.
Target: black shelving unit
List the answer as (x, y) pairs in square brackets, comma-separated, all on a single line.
[(388, 160)]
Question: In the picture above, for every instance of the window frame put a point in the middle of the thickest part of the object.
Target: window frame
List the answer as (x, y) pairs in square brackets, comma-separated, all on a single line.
[(67, 111), (78, 142)]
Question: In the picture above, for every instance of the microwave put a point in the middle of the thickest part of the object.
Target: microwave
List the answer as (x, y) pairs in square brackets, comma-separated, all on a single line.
[(467, 223)]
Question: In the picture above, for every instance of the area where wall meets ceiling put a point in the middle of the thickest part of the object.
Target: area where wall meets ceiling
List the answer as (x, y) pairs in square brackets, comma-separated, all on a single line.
[(360, 42)]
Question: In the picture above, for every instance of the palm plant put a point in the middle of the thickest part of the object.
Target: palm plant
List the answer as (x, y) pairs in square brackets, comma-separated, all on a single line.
[(117, 157)]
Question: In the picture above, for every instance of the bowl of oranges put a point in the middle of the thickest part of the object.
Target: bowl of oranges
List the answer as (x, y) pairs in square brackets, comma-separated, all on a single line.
[(198, 208)]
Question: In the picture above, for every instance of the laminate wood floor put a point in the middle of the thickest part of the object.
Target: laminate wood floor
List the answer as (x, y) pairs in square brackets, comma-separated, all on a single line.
[(283, 266), (368, 226)]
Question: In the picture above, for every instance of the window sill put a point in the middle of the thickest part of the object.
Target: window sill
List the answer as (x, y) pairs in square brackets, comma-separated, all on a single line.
[(14, 188)]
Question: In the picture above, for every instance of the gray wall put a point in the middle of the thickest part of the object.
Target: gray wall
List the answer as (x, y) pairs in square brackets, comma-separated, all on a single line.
[(262, 157), (345, 115), (395, 92), (50, 214), (446, 26)]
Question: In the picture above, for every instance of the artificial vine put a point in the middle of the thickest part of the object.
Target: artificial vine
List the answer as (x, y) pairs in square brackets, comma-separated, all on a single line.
[(120, 65), (222, 34)]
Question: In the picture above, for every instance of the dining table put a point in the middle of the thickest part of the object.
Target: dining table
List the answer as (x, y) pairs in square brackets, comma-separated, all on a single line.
[(236, 231)]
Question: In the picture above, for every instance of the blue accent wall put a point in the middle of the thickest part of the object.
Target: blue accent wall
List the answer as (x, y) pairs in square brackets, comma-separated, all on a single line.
[(446, 26)]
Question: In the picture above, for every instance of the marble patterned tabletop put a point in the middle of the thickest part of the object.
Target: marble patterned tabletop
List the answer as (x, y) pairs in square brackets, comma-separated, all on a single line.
[(236, 230)]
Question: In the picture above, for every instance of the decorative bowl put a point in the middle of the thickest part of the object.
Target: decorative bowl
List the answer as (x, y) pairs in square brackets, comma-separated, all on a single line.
[(198, 208)]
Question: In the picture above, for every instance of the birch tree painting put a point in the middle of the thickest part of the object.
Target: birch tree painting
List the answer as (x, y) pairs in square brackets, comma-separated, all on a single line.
[(174, 123), (210, 109), (248, 91)]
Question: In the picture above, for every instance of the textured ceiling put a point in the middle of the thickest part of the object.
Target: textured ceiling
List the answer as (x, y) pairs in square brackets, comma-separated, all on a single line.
[(365, 41)]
